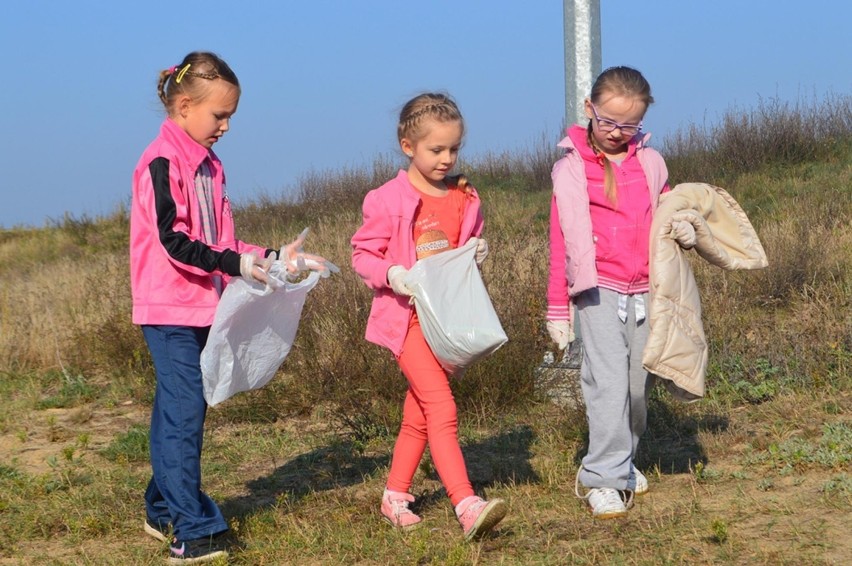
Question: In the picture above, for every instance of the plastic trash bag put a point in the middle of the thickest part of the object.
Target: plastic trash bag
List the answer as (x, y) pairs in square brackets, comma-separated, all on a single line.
[(455, 311), (252, 333)]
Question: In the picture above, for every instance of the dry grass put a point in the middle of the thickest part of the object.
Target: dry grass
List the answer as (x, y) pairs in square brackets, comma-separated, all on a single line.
[(755, 473)]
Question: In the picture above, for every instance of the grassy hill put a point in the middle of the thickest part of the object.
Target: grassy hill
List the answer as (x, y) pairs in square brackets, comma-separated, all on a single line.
[(758, 471)]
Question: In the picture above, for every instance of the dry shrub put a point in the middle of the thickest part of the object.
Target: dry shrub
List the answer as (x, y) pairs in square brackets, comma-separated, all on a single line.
[(774, 134), (789, 323), (65, 296), (524, 170), (318, 194), (515, 274), (70, 314)]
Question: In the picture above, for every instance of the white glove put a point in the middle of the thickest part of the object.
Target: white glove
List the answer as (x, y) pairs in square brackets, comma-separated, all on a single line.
[(295, 259), (292, 255), (396, 279), (248, 263), (481, 252), (683, 233), (561, 332)]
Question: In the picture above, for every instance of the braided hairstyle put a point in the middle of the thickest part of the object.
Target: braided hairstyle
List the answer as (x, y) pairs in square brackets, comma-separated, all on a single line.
[(429, 106), (192, 78), (617, 81)]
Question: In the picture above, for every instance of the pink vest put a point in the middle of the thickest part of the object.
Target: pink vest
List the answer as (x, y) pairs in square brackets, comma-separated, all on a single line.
[(572, 247)]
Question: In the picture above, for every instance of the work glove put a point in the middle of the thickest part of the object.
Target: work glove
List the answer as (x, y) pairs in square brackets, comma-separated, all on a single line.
[(252, 268), (396, 279), (481, 252), (561, 332), (295, 259), (683, 233)]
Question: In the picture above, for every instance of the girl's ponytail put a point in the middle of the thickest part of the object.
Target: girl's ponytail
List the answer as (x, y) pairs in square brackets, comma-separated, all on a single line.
[(610, 184), (161, 85)]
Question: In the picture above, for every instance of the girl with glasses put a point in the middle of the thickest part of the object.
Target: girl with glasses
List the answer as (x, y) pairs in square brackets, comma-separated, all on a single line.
[(605, 190)]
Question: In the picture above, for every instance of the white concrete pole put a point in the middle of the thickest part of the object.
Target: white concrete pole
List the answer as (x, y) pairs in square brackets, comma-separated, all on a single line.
[(582, 55)]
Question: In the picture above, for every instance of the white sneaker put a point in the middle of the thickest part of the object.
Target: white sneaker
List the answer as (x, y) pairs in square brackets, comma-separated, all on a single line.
[(606, 503), (641, 482)]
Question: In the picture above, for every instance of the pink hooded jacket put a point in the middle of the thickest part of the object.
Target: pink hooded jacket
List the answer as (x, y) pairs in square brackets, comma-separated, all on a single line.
[(386, 238), (170, 265), (572, 246)]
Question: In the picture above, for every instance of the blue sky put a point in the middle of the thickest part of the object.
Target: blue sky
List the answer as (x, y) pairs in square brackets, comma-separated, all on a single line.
[(323, 80)]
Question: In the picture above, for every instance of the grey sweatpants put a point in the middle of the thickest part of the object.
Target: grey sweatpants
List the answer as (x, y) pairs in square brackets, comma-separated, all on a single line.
[(615, 387)]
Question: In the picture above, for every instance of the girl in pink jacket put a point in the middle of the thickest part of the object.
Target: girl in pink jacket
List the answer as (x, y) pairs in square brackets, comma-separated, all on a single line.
[(605, 190), (421, 212), (182, 251)]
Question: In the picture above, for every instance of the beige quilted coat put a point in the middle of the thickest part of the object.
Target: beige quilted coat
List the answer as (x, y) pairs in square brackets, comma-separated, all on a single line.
[(677, 348)]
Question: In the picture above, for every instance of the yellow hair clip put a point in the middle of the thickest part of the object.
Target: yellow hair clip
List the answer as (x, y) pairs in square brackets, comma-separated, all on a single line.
[(182, 72)]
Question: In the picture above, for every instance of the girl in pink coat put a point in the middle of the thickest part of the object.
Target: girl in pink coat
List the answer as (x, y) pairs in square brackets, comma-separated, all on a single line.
[(605, 192), (183, 250), (421, 212)]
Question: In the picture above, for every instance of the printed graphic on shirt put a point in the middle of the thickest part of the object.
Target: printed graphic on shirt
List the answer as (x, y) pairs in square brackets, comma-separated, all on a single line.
[(430, 243), (437, 223)]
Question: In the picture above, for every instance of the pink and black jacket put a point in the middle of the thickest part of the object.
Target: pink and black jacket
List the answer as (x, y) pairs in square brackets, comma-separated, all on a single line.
[(171, 268)]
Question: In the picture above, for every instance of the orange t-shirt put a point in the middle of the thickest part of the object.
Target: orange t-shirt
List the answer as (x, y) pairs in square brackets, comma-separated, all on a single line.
[(437, 223)]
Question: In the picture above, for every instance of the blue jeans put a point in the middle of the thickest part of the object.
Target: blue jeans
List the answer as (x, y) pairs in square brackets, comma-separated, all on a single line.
[(177, 428)]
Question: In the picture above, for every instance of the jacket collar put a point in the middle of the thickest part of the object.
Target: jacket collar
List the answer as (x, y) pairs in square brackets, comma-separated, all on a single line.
[(192, 152)]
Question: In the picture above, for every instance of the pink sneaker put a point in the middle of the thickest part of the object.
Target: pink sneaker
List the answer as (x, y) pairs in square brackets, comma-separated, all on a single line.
[(395, 509), (478, 517)]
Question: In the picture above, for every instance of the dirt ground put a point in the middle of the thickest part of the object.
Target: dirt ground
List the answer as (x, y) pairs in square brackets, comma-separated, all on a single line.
[(767, 517)]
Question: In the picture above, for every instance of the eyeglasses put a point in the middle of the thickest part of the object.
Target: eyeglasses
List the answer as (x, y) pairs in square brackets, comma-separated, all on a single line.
[(607, 125)]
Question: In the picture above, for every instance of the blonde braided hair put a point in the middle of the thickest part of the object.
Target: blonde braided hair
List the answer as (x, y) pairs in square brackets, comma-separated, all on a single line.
[(430, 106), (180, 80)]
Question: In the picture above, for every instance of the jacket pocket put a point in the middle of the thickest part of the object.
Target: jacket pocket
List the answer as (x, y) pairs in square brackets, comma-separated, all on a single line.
[(606, 242), (625, 248)]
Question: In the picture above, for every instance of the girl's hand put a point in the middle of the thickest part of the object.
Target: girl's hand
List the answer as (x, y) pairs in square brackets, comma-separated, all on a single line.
[(253, 268), (396, 280), (481, 252), (683, 233), (561, 332), (295, 259)]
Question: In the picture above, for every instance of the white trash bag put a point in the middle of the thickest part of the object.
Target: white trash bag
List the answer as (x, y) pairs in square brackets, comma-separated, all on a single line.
[(455, 311), (252, 333)]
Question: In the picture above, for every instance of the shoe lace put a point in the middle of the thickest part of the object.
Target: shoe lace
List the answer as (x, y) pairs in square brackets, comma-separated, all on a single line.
[(399, 507), (627, 497)]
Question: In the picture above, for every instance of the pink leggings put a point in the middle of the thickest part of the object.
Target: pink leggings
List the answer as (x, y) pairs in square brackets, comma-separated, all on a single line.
[(429, 414)]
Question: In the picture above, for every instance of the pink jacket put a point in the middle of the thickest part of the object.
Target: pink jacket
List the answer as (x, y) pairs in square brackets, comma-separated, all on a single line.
[(170, 265), (386, 238), (572, 246)]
